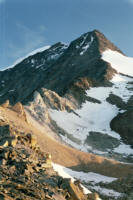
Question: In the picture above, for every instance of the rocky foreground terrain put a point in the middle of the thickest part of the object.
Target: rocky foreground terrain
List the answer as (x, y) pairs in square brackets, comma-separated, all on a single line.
[(26, 172)]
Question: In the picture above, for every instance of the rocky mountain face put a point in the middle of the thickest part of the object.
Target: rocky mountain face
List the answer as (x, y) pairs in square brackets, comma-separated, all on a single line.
[(79, 95), (59, 68), (27, 76)]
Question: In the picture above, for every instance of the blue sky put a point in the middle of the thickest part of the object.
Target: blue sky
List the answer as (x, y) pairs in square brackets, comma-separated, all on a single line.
[(26, 25)]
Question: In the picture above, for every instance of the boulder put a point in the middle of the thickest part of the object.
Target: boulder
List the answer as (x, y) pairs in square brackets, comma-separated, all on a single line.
[(13, 142), (5, 104), (93, 196), (123, 125), (3, 162), (74, 189), (8, 141), (48, 161), (32, 140), (4, 143), (18, 107), (116, 100), (76, 192)]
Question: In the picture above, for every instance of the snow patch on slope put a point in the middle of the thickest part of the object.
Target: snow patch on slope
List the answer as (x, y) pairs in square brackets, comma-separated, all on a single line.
[(121, 63), (120, 88), (84, 48), (124, 149), (94, 117), (86, 178), (62, 171), (106, 192)]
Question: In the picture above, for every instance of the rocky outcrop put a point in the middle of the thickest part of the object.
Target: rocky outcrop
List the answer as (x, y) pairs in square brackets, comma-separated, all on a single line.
[(121, 185), (101, 142), (75, 191), (32, 140), (116, 100), (104, 43), (5, 104), (38, 109), (93, 196), (54, 101), (122, 124), (19, 109), (7, 137)]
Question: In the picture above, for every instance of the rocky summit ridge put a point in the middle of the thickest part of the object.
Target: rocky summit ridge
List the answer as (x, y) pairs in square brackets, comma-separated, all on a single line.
[(59, 69)]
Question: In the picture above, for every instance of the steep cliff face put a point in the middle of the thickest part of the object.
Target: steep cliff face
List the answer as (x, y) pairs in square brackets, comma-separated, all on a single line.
[(122, 124), (59, 68), (19, 82), (81, 60)]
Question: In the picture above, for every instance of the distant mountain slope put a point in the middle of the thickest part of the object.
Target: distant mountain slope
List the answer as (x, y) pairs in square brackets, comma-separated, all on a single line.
[(20, 81)]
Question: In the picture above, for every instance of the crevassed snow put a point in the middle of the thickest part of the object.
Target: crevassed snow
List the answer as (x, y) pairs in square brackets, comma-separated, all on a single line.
[(93, 116), (121, 63), (30, 54)]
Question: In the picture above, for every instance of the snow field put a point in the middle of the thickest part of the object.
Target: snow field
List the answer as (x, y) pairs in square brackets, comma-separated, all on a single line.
[(89, 177), (94, 117), (121, 63)]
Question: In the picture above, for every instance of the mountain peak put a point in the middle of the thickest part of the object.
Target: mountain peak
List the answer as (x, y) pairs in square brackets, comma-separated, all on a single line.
[(60, 68), (104, 43), (93, 43)]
